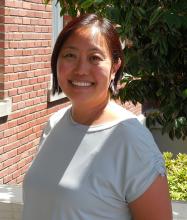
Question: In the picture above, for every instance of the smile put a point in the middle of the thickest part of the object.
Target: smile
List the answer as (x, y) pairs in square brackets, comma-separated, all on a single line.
[(81, 84)]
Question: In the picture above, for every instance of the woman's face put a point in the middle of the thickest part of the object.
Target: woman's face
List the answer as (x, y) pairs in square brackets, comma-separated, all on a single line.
[(84, 67)]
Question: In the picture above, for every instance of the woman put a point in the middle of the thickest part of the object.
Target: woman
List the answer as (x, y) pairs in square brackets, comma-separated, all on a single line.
[(96, 161)]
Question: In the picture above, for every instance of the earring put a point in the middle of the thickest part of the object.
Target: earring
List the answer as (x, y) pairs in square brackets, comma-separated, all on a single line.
[(112, 88)]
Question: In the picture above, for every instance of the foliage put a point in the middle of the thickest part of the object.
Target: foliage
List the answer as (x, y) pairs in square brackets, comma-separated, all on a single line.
[(177, 175), (155, 48)]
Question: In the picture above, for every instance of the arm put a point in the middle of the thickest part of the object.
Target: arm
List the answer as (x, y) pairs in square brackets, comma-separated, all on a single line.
[(154, 204)]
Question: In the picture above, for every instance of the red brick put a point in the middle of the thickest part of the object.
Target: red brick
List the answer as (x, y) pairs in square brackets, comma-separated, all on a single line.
[(14, 44), (12, 169), (29, 117), (16, 159), (12, 153), (21, 163), (25, 96), (26, 67), (14, 107), (11, 146), (26, 5), (28, 132), (12, 123), (16, 174), (9, 132), (3, 173), (1, 166), (1, 52), (33, 94), (29, 88), (32, 137), (3, 142), (12, 92), (23, 75), (20, 179), (11, 28), (7, 179), (22, 90), (33, 81), (13, 77), (29, 159), (1, 85), (8, 70), (2, 28), (16, 84), (12, 182), (24, 141), (1, 61), (29, 103), (36, 129), (33, 151), (21, 105), (8, 162)]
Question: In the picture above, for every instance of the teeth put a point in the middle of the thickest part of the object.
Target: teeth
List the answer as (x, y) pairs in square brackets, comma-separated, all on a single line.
[(83, 84)]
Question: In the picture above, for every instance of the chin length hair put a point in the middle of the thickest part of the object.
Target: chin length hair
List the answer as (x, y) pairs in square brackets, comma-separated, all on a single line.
[(106, 29)]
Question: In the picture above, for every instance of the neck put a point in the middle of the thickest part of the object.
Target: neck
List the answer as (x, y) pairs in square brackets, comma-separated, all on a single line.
[(90, 115)]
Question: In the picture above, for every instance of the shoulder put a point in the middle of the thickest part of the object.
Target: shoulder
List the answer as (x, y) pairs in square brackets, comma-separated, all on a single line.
[(57, 116), (138, 137), (52, 122), (131, 125), (135, 136)]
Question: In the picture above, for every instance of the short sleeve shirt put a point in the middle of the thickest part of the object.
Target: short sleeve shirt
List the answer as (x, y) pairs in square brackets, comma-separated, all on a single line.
[(90, 172)]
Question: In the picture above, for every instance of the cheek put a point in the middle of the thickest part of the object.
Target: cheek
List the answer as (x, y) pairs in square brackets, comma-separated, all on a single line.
[(62, 70), (103, 73)]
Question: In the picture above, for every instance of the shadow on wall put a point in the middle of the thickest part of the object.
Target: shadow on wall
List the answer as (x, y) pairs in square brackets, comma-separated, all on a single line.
[(163, 140), (3, 119), (10, 202)]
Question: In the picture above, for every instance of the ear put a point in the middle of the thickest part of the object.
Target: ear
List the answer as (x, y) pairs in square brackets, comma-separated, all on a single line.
[(115, 68)]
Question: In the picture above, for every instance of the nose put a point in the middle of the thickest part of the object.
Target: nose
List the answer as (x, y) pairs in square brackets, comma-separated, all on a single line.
[(81, 67)]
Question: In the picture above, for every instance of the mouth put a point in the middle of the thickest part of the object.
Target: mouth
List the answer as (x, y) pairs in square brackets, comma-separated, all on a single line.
[(81, 83)]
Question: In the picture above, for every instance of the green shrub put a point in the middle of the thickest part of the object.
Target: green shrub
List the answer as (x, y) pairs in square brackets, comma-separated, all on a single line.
[(177, 175)]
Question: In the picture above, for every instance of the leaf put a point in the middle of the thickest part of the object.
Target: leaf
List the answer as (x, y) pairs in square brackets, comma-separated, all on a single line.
[(182, 121), (184, 93), (87, 3), (114, 14), (156, 15), (172, 19), (163, 46), (98, 1), (178, 134)]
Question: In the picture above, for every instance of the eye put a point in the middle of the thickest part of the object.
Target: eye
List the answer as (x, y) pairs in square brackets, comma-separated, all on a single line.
[(69, 55), (95, 59)]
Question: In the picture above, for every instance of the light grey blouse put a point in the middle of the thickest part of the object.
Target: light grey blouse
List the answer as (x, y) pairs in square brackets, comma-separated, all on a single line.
[(90, 172)]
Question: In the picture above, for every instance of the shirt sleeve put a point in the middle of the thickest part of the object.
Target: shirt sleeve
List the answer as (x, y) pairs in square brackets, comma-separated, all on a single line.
[(143, 163)]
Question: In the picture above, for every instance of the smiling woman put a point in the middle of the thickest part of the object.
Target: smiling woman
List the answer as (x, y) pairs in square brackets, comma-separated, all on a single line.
[(94, 151), (85, 69)]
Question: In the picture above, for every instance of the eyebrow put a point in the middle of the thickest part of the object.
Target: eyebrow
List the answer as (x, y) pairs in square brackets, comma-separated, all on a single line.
[(91, 49)]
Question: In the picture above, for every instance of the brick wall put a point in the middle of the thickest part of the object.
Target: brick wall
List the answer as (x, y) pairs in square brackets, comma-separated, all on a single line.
[(25, 49)]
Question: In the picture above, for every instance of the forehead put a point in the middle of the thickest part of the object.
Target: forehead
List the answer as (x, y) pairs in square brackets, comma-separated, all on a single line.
[(89, 36)]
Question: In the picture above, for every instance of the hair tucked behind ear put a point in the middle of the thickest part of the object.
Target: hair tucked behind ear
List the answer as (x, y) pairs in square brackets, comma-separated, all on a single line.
[(107, 30)]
